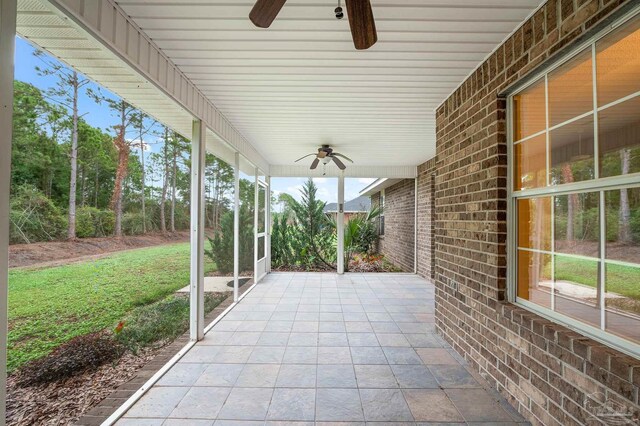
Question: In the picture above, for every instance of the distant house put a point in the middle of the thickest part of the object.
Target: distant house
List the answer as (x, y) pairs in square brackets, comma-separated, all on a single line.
[(357, 205)]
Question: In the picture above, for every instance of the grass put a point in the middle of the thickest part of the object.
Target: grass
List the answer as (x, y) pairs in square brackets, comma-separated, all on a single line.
[(623, 280), (50, 306), (161, 322)]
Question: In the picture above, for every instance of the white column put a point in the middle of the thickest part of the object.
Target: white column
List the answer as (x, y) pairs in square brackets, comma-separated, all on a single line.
[(268, 226), (340, 223), (236, 226), (7, 46), (255, 225), (198, 148)]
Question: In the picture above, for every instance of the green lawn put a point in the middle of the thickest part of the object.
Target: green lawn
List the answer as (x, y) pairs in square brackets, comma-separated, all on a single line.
[(623, 280), (50, 306)]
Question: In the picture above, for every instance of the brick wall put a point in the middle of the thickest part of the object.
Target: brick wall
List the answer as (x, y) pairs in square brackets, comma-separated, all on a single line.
[(426, 228), (397, 244), (552, 375)]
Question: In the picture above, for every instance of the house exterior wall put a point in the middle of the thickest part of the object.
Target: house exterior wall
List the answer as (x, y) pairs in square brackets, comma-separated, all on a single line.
[(397, 243), (552, 375), (426, 224)]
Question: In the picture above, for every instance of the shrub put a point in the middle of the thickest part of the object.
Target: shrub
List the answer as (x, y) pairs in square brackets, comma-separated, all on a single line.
[(160, 322), (221, 251), (92, 222), (83, 353), (34, 217), (132, 223)]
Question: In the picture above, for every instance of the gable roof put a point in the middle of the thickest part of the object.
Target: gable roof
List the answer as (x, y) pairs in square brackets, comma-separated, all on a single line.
[(360, 204)]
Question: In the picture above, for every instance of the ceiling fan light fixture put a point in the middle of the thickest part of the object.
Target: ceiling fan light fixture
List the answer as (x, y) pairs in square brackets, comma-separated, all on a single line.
[(360, 13)]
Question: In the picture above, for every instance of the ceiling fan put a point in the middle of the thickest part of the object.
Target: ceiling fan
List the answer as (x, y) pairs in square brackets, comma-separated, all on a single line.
[(361, 21), (326, 155)]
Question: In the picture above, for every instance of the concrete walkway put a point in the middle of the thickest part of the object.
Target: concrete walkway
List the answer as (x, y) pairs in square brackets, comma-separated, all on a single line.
[(313, 348)]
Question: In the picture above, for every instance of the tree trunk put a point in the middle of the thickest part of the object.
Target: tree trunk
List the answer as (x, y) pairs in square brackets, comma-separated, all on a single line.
[(121, 173), (83, 189), (173, 189), (144, 213), (571, 202), (96, 187), (624, 227), (71, 229), (165, 182)]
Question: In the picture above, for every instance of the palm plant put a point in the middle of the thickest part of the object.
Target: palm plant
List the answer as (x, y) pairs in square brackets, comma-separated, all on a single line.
[(359, 233)]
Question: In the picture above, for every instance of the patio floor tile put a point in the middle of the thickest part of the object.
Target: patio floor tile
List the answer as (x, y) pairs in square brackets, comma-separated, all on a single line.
[(414, 376), (338, 405), (258, 376), (332, 339), (331, 355), (183, 374), (274, 338), (292, 404), (300, 355), (297, 376), (476, 405), (375, 376), (431, 405), (453, 376), (384, 405), (232, 354), (220, 375), (201, 403), (267, 355), (246, 404), (322, 349), (358, 327), (368, 355), (303, 339), (436, 356), (401, 355), (336, 376), (158, 402)]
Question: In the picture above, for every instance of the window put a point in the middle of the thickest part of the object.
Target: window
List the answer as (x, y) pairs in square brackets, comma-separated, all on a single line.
[(575, 190)]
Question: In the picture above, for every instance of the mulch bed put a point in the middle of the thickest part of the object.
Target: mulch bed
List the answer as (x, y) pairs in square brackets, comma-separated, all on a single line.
[(91, 397), (63, 402)]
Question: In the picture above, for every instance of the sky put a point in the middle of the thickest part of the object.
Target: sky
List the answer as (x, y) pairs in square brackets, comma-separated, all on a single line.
[(100, 116)]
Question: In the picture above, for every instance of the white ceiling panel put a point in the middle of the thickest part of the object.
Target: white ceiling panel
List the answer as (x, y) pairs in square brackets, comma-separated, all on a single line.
[(301, 83)]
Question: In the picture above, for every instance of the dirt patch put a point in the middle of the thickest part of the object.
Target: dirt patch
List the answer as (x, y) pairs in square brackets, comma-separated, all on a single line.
[(617, 251), (63, 402), (56, 253)]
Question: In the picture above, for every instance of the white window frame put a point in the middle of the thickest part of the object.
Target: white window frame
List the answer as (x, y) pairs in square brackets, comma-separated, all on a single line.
[(597, 185)]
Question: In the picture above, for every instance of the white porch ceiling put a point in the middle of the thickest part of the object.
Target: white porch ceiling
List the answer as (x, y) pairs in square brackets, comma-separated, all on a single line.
[(301, 83)]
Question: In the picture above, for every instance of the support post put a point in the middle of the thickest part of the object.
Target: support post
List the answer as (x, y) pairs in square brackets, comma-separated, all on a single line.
[(340, 223), (8, 12), (415, 228), (236, 226), (198, 147), (256, 212), (268, 226)]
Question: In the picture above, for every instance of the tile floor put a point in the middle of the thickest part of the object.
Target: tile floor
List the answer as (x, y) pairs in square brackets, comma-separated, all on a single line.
[(311, 348)]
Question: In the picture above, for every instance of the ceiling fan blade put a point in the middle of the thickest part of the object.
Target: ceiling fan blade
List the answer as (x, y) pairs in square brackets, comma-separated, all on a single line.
[(343, 156), (339, 163), (302, 158), (265, 11), (362, 23), (314, 164)]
